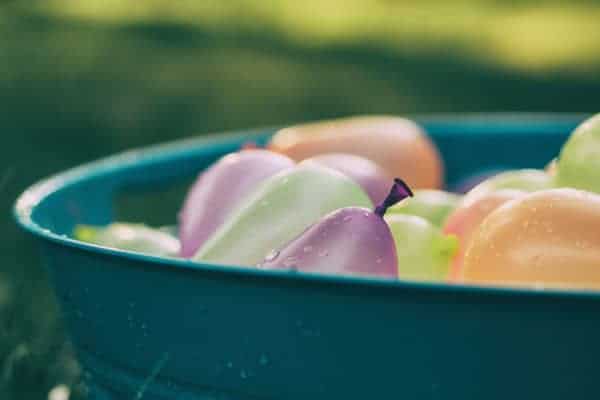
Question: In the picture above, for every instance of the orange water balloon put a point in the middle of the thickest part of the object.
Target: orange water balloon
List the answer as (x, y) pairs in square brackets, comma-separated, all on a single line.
[(549, 238), (466, 218), (397, 144)]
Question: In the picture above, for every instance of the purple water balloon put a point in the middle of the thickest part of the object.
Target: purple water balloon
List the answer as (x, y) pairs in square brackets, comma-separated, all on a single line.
[(219, 189), (350, 241), (371, 177)]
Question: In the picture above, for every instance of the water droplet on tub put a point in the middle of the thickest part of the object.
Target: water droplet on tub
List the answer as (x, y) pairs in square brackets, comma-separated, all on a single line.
[(307, 249), (311, 332), (366, 214), (60, 392), (263, 360), (273, 254)]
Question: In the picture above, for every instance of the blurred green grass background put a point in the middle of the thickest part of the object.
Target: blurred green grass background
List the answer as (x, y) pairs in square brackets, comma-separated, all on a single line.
[(84, 79)]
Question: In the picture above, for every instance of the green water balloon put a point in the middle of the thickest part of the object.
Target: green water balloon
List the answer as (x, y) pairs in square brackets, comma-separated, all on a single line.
[(424, 252), (131, 237), (527, 180), (578, 165), (278, 211), (433, 205)]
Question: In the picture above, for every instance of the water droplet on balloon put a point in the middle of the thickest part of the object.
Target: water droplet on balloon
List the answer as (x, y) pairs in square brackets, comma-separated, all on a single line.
[(264, 203), (379, 261), (347, 218), (243, 374), (290, 261), (273, 254), (366, 214), (229, 365), (323, 253), (307, 249)]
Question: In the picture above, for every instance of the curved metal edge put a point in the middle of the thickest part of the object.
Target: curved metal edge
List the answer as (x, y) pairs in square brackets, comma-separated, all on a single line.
[(35, 194)]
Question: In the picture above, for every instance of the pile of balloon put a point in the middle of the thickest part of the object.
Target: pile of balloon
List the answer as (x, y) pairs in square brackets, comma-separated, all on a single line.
[(363, 196)]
